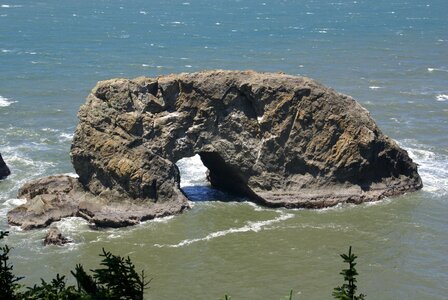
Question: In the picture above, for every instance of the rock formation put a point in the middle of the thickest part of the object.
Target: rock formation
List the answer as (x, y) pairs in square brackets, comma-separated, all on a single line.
[(55, 237), (4, 170), (280, 140)]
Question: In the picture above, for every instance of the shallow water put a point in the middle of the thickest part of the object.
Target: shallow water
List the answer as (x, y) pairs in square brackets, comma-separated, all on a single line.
[(390, 56)]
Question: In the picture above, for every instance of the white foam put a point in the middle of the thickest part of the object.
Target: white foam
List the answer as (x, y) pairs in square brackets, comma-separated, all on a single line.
[(374, 87), (4, 102), (192, 171), (8, 205), (71, 225), (250, 226), (49, 129), (10, 6), (161, 220), (11, 203), (66, 136), (74, 175), (442, 97), (437, 69), (433, 168)]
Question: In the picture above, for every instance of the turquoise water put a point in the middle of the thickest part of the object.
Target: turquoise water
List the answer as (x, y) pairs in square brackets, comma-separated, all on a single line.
[(392, 56)]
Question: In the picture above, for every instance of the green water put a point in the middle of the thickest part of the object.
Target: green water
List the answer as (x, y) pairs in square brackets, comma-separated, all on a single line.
[(254, 253)]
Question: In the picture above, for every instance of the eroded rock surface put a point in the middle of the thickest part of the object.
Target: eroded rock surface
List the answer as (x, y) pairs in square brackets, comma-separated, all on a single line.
[(4, 170), (52, 198), (282, 141), (55, 237)]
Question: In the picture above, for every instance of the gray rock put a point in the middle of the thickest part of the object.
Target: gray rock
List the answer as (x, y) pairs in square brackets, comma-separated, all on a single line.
[(54, 237), (4, 170), (49, 199), (52, 198), (282, 141)]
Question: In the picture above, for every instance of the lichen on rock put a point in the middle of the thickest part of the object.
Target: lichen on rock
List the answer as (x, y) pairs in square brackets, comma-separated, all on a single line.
[(280, 140)]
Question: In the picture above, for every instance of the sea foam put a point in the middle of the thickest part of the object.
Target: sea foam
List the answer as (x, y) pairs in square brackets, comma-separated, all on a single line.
[(250, 226), (5, 102), (442, 97), (432, 167)]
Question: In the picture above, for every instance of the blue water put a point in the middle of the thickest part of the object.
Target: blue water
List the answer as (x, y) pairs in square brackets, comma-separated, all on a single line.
[(392, 56)]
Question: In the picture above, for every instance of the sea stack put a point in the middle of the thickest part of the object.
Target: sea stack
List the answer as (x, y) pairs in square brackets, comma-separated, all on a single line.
[(280, 140), (55, 237), (4, 170)]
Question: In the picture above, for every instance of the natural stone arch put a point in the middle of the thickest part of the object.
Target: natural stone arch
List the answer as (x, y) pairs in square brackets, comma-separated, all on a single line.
[(283, 141)]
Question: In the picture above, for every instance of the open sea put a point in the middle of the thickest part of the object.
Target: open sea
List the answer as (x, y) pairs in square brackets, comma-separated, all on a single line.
[(390, 55)]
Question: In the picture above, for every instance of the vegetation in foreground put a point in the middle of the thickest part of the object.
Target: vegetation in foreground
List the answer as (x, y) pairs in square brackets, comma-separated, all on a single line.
[(117, 279)]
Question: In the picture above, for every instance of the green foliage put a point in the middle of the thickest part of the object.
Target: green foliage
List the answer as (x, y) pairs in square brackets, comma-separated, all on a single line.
[(116, 280), (347, 291), (8, 281), (54, 290)]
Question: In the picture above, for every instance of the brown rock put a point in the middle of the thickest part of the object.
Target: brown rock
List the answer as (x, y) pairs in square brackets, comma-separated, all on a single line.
[(49, 199), (54, 237), (283, 141), (55, 197)]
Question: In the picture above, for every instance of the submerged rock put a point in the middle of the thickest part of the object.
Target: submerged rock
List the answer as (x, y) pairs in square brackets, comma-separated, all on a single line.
[(4, 170), (54, 237), (281, 140)]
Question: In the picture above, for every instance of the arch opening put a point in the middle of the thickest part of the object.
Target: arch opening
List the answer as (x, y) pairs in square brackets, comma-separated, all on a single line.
[(196, 184)]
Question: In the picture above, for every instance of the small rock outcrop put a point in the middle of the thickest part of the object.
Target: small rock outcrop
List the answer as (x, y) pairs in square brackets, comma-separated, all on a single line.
[(55, 237), (52, 198), (4, 170), (280, 140)]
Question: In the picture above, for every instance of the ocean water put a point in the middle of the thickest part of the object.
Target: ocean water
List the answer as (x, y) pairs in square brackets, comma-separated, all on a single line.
[(392, 56)]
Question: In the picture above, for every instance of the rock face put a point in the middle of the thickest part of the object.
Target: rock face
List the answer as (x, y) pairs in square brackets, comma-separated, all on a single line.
[(54, 237), (4, 170), (49, 199), (55, 197), (282, 141)]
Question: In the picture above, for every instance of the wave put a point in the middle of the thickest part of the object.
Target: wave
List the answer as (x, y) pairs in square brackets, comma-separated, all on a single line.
[(64, 137), (430, 70), (250, 226), (5, 102), (10, 6), (192, 171), (8, 205), (442, 97), (433, 167)]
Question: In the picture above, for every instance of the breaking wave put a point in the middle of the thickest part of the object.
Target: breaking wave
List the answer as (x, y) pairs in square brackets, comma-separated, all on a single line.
[(250, 226), (433, 167)]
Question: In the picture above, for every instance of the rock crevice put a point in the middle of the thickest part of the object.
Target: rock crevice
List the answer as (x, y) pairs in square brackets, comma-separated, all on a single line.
[(281, 140)]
